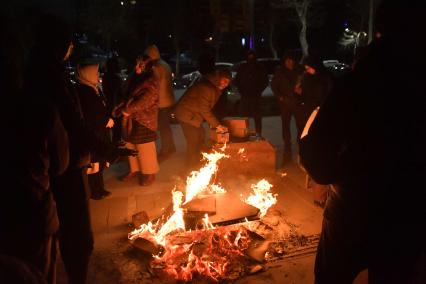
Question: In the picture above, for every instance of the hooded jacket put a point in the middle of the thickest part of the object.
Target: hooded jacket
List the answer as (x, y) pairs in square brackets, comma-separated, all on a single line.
[(163, 75)]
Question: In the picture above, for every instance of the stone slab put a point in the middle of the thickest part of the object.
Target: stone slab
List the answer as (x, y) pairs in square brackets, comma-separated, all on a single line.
[(251, 158)]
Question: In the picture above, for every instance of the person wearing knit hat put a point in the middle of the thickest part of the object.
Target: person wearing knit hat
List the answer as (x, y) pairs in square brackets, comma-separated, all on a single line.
[(163, 75)]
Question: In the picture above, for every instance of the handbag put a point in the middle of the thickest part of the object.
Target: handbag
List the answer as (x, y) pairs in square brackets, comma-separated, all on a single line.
[(126, 127)]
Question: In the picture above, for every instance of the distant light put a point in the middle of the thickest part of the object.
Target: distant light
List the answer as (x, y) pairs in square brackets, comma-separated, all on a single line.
[(210, 38), (122, 3), (251, 42), (243, 41), (133, 2), (347, 30), (262, 39), (170, 36)]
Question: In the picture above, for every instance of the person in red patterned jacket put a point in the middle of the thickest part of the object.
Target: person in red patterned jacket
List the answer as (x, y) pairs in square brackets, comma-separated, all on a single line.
[(141, 110)]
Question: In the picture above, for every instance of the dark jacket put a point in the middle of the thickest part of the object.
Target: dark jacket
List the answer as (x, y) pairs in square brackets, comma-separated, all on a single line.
[(197, 102), (315, 89), (251, 79), (370, 143), (37, 153), (95, 113), (283, 84), (112, 85)]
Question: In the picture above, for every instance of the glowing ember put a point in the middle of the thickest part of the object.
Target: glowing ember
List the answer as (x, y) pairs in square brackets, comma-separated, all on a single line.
[(207, 253), (262, 198)]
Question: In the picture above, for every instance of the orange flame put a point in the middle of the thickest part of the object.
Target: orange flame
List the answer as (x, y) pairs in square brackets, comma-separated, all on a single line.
[(262, 198), (199, 181)]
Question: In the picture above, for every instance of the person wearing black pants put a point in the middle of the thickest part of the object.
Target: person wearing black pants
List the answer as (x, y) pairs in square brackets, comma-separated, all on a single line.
[(195, 107), (283, 85), (195, 138)]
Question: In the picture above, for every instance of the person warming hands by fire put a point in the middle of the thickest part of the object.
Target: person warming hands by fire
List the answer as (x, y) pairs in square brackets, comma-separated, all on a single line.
[(195, 107)]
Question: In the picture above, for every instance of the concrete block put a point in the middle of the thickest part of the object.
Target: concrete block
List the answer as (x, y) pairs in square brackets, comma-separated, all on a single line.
[(251, 158)]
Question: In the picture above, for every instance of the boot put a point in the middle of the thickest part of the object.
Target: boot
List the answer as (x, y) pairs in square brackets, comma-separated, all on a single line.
[(129, 176), (147, 180)]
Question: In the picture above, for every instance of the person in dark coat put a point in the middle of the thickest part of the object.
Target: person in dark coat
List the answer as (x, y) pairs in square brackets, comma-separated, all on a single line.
[(375, 214), (315, 85), (283, 85), (112, 87), (46, 78), (37, 153), (251, 80), (97, 118), (195, 107)]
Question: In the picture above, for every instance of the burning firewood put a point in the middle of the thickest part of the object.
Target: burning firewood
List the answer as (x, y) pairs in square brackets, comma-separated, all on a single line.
[(186, 245)]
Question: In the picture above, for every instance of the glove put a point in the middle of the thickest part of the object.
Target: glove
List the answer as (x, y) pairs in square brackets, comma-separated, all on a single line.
[(119, 152), (221, 129), (126, 152)]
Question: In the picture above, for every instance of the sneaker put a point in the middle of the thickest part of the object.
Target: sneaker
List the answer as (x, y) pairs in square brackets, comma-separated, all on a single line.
[(147, 180), (129, 176), (100, 195), (106, 193), (97, 196)]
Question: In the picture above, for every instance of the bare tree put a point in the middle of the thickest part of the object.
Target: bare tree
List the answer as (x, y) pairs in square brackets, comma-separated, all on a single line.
[(307, 13)]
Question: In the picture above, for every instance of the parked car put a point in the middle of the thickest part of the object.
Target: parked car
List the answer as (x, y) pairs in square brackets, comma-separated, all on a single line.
[(187, 80), (336, 67), (270, 64)]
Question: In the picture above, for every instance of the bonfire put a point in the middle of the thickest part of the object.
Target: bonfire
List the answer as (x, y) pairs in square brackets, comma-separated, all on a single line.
[(210, 251)]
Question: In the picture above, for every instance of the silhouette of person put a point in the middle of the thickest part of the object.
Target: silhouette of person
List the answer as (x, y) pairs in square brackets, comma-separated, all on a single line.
[(368, 140)]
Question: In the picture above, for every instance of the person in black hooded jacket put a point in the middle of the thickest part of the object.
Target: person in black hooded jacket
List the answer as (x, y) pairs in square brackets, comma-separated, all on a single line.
[(37, 153), (53, 44), (98, 120), (375, 213)]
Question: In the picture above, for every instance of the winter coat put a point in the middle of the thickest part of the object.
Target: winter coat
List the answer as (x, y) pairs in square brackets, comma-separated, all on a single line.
[(315, 89), (142, 103), (251, 79), (283, 84), (95, 113), (163, 74), (197, 102), (112, 88), (28, 206)]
